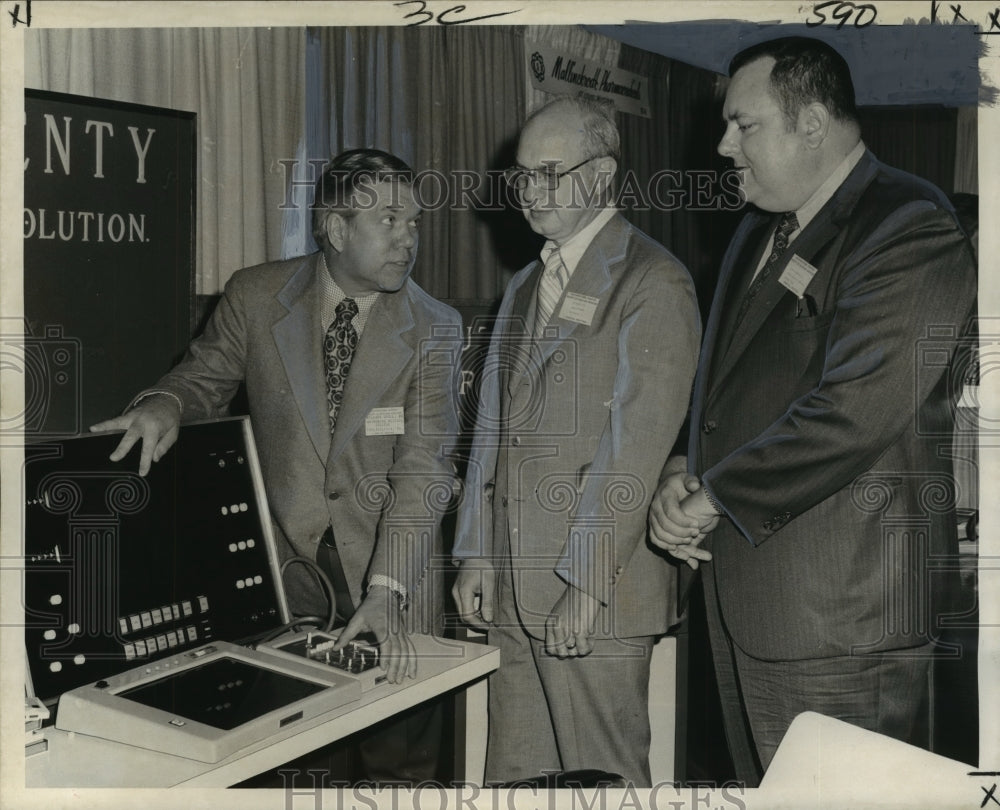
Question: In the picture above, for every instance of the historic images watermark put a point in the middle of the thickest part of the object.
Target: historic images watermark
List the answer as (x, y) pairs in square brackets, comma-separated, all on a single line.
[(490, 190), (614, 794)]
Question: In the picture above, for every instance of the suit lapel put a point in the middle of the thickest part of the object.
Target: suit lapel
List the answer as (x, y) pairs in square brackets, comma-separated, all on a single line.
[(382, 354), (591, 278), (523, 308), (718, 329), (737, 275), (518, 329), (299, 345), (766, 299), (827, 223)]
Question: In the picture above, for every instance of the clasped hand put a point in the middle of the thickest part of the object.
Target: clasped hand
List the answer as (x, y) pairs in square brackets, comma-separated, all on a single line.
[(680, 517)]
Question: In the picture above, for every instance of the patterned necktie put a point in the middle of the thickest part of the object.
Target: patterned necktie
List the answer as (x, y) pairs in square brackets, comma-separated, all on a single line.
[(786, 226), (554, 279), (338, 349)]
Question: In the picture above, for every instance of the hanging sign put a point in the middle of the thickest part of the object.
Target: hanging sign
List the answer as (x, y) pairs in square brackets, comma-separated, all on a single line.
[(560, 73)]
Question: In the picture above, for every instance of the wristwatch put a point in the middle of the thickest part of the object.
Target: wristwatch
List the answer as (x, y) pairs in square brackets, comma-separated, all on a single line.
[(397, 587)]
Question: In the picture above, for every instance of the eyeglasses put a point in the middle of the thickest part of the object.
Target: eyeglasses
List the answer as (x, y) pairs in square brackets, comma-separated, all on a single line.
[(518, 177)]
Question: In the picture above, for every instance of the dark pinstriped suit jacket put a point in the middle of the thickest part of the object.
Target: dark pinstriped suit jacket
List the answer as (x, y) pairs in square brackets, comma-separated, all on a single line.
[(821, 434)]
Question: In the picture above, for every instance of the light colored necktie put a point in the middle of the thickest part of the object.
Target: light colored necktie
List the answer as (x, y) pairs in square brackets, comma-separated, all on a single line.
[(339, 343), (550, 288)]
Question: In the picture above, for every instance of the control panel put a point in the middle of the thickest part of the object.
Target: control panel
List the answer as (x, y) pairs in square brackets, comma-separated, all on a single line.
[(121, 570), (359, 657)]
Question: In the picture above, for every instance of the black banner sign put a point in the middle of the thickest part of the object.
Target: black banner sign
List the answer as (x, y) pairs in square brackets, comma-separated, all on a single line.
[(108, 255)]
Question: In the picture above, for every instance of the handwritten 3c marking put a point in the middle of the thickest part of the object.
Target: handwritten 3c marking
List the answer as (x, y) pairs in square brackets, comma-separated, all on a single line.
[(446, 17)]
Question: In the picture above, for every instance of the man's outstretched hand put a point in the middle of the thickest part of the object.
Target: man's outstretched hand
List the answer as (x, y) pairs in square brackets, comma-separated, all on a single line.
[(155, 421)]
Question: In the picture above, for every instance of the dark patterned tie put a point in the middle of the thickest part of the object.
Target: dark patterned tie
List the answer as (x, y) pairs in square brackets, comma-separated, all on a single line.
[(338, 349), (786, 226)]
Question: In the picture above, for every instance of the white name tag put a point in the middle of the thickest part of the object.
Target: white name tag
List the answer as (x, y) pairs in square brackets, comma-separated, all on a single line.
[(797, 275), (579, 308), (384, 422)]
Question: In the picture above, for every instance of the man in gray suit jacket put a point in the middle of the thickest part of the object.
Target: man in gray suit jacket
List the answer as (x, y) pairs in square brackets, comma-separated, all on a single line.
[(818, 486), (583, 392), (353, 439)]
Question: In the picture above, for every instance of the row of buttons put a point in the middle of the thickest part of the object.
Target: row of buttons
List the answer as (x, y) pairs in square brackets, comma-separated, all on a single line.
[(166, 613), (153, 644), (777, 521), (708, 427), (235, 509), (222, 461)]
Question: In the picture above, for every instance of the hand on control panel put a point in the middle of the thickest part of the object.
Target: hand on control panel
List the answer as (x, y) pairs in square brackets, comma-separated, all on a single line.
[(359, 655), (381, 615), (155, 420)]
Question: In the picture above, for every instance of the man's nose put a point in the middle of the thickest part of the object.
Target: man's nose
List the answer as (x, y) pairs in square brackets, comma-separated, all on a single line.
[(408, 237), (727, 146), (528, 193)]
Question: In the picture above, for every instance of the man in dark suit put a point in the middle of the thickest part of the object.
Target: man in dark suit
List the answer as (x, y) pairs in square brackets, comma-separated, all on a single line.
[(583, 392), (353, 409), (816, 491)]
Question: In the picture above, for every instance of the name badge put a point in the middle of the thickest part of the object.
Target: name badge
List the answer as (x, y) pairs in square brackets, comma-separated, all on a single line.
[(384, 421), (797, 275), (579, 308)]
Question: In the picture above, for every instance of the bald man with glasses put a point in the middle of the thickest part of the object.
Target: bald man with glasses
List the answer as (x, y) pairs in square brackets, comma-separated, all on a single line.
[(582, 396)]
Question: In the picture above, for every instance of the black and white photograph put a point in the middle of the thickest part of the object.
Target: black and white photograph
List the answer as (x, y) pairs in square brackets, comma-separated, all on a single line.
[(499, 405)]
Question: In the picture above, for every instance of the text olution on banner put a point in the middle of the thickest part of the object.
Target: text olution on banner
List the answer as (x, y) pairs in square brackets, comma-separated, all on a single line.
[(108, 256), (557, 72)]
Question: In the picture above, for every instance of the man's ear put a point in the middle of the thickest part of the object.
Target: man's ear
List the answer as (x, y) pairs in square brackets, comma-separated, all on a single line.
[(336, 230), (814, 123), (607, 168)]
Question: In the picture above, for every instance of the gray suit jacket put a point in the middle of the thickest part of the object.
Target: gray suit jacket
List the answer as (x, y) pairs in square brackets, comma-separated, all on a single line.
[(822, 435), (573, 432), (383, 494)]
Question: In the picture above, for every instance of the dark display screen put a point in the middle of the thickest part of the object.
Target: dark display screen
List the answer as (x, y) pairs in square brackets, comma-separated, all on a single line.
[(224, 693)]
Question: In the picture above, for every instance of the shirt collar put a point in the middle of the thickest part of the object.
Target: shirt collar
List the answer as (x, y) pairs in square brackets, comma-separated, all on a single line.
[(331, 295), (573, 248)]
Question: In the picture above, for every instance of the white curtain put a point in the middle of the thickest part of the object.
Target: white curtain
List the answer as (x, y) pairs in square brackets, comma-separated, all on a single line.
[(246, 86)]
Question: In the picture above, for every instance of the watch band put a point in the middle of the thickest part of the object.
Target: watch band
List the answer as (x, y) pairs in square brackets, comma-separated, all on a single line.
[(393, 585)]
